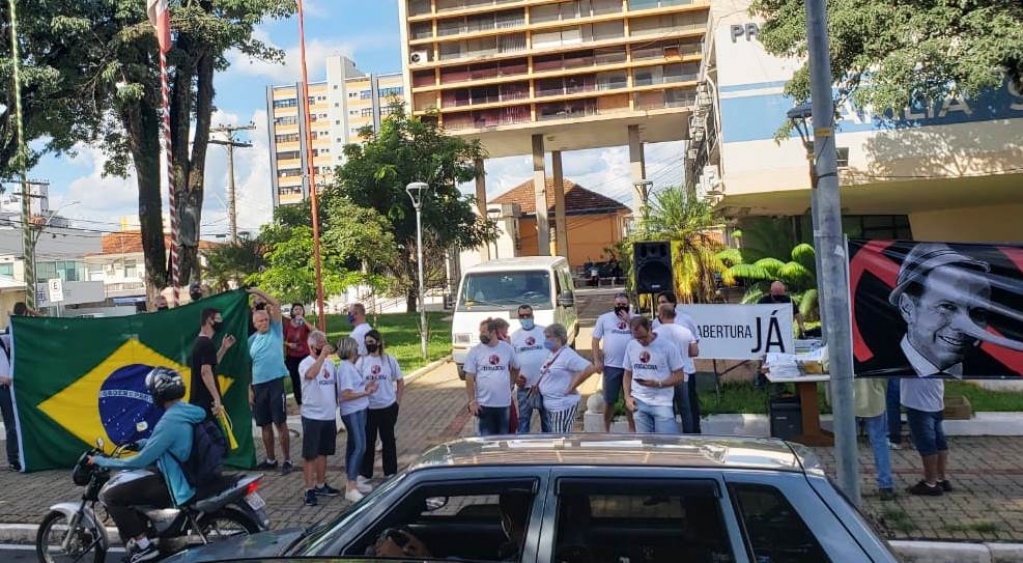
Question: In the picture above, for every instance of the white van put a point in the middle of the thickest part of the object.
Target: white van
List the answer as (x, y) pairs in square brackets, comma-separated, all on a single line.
[(497, 288)]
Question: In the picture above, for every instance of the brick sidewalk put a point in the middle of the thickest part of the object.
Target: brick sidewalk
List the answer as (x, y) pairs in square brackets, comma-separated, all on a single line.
[(986, 471)]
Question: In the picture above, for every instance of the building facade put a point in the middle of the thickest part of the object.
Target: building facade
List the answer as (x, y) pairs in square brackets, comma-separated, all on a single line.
[(538, 76), (946, 170), (339, 108)]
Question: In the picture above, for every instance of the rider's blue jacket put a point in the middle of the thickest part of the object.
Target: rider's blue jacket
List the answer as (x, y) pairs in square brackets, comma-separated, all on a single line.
[(172, 435)]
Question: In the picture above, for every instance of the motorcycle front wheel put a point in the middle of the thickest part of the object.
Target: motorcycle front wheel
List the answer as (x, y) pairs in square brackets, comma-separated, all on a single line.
[(83, 540)]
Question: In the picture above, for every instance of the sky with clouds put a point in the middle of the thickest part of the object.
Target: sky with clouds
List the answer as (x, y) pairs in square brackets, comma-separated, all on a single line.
[(367, 32)]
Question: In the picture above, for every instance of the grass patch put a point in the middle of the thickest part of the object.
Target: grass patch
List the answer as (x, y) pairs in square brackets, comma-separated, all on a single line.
[(984, 399), (735, 398), (897, 520), (979, 527)]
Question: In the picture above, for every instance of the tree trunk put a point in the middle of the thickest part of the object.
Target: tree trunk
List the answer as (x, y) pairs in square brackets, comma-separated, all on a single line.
[(142, 124), (195, 179)]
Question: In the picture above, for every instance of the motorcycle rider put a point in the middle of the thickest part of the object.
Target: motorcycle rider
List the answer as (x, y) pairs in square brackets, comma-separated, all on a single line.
[(171, 438)]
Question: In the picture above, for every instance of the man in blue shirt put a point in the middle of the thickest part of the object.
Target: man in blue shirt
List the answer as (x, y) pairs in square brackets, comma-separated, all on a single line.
[(267, 395), (170, 441)]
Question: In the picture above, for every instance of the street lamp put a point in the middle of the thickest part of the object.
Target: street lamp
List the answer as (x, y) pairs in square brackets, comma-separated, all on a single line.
[(643, 190), (416, 191)]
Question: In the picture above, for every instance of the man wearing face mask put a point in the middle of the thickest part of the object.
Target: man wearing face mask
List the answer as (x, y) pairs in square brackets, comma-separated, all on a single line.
[(160, 302), (357, 318), (490, 370), (779, 294), (612, 330), (205, 357), (528, 343)]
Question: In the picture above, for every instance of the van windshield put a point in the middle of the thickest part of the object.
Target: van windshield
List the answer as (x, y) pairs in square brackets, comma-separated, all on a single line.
[(494, 291)]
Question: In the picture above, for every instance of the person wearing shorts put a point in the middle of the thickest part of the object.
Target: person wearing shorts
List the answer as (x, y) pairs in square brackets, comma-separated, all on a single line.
[(924, 399), (266, 394), (319, 426), (612, 330)]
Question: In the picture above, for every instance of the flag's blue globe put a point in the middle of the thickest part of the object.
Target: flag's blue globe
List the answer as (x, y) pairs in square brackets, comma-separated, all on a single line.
[(124, 402)]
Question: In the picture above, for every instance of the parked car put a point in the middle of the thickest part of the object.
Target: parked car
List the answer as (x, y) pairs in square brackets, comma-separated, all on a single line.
[(590, 498)]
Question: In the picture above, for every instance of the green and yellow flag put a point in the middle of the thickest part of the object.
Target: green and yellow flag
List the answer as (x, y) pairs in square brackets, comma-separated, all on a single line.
[(76, 380)]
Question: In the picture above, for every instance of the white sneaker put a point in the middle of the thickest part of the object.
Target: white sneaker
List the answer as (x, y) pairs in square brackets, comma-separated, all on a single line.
[(353, 496), (364, 488), (361, 480)]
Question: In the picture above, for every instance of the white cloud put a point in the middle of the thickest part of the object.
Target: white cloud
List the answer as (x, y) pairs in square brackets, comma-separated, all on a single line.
[(317, 51), (252, 178), (95, 202)]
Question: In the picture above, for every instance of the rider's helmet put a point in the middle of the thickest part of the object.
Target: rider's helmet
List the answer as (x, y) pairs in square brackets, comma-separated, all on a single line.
[(165, 384)]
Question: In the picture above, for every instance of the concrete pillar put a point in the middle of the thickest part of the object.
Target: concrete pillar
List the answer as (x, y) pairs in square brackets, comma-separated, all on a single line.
[(637, 163), (560, 223), (543, 227), (481, 202)]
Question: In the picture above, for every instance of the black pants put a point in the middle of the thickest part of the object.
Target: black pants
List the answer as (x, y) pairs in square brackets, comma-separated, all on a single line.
[(296, 378), (148, 491), (11, 439), (382, 422), (694, 403)]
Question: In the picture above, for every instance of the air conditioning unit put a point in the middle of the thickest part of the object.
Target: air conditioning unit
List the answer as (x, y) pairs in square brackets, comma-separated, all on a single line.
[(703, 95), (419, 57), (712, 176)]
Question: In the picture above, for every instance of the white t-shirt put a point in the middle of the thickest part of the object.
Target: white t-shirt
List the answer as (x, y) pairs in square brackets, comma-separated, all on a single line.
[(349, 379), (614, 335), (682, 337), (385, 371), (319, 396), (490, 365), (682, 319), (923, 393), (529, 351), (359, 334), (561, 368), (655, 362)]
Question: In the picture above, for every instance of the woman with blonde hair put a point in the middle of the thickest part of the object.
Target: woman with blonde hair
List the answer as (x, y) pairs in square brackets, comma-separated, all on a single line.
[(353, 391)]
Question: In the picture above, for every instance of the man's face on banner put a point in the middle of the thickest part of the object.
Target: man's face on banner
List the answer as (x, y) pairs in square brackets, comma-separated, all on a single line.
[(952, 300)]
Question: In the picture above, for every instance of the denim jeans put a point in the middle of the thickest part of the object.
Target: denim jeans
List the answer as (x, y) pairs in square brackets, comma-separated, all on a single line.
[(355, 426), (877, 431), (652, 419), (527, 406), (7, 410), (493, 421), (927, 431), (893, 409)]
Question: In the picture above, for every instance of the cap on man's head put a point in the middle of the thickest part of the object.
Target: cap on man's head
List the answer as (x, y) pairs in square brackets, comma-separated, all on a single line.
[(926, 257)]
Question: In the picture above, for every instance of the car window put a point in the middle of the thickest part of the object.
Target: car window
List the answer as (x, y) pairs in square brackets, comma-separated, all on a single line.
[(774, 530), (496, 291), (468, 521), (649, 521)]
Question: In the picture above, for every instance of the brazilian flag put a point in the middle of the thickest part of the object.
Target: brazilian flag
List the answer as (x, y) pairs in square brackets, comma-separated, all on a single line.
[(76, 380)]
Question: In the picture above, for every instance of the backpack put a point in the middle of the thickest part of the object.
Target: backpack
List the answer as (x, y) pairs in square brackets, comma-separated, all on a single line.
[(207, 455)]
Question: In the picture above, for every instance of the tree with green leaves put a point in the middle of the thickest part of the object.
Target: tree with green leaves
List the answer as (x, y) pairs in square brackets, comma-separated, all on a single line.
[(895, 54), (234, 262), (409, 149), (799, 274), (677, 215), (92, 75)]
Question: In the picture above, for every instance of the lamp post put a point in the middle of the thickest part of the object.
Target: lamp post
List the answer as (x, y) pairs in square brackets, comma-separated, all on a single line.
[(643, 191), (800, 117), (416, 191)]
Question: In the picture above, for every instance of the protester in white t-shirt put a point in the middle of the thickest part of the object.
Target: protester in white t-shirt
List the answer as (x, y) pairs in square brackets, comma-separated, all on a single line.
[(561, 374), (528, 343), (319, 429), (379, 367), (357, 318), (611, 335), (686, 396), (653, 366), (490, 370), (353, 392)]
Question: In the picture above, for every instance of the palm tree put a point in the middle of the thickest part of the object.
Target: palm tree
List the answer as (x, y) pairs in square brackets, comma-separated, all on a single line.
[(678, 216), (799, 274)]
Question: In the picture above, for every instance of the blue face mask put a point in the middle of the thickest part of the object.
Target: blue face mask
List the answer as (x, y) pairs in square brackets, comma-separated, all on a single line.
[(351, 319), (550, 345), (527, 324)]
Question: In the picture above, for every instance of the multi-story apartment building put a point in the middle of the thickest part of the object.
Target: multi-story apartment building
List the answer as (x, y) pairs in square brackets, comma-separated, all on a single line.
[(530, 76), (339, 109)]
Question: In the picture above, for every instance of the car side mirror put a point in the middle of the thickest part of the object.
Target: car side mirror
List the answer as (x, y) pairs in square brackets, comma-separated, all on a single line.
[(567, 299)]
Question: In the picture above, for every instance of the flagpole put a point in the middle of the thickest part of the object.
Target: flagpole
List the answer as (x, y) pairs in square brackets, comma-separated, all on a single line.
[(311, 173), (159, 15), (28, 248)]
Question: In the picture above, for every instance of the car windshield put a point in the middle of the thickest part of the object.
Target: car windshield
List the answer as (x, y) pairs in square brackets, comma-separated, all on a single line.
[(494, 291)]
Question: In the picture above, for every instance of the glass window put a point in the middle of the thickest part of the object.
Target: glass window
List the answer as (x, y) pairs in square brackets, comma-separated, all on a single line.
[(483, 520), (497, 291), (652, 521), (7, 271), (774, 530), (130, 269)]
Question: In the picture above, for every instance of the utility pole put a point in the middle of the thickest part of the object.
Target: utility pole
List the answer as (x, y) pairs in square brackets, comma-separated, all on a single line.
[(30, 232), (834, 281), (231, 143)]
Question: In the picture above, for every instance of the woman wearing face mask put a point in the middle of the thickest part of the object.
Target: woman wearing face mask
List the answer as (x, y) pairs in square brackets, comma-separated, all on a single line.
[(296, 343), (353, 395), (382, 369), (560, 377)]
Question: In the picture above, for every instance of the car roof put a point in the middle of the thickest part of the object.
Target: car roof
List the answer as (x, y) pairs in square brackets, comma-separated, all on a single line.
[(618, 450), (522, 263)]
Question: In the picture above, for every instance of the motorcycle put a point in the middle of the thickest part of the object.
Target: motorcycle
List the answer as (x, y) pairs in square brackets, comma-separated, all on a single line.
[(224, 509)]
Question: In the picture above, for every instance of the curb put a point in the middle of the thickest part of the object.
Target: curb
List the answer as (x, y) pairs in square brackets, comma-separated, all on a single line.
[(954, 552), (427, 369), (26, 534)]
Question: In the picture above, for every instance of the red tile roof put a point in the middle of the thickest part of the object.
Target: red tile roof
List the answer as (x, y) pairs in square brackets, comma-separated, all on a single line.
[(578, 200), (129, 242)]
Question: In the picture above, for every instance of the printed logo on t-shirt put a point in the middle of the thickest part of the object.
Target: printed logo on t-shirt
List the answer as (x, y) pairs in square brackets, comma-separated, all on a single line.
[(644, 357), (622, 325), (375, 370), (530, 341), (495, 359)]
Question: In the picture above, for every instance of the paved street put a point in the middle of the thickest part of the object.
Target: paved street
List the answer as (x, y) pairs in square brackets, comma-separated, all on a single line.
[(988, 472)]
